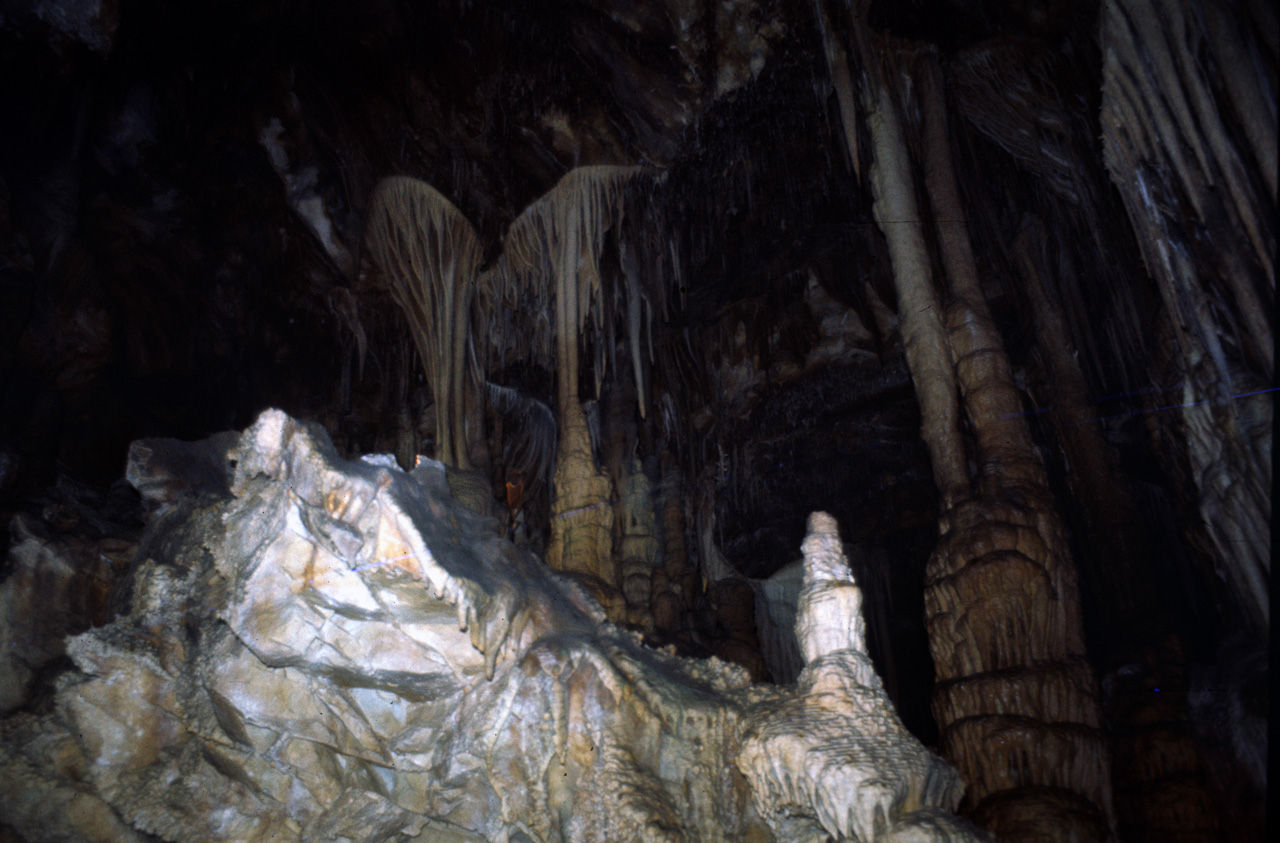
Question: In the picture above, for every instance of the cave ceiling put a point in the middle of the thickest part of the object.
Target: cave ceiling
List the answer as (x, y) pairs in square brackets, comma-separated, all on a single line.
[(186, 188), (168, 157)]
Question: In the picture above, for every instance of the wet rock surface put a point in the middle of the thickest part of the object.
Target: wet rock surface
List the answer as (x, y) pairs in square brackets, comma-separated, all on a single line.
[(336, 650)]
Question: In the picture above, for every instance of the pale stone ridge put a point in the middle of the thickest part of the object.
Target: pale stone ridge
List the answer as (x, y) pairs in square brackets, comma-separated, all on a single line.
[(338, 651)]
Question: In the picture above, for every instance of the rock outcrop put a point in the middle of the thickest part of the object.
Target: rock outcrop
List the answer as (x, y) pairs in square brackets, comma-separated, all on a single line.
[(338, 651)]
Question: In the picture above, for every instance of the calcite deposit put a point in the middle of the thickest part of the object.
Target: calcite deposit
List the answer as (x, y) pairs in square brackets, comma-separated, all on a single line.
[(337, 650)]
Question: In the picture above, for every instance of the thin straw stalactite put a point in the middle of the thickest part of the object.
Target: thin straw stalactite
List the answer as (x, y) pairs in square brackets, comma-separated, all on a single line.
[(559, 238), (553, 250)]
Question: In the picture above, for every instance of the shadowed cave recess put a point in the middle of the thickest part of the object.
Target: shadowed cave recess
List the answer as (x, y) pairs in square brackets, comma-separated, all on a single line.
[(810, 419)]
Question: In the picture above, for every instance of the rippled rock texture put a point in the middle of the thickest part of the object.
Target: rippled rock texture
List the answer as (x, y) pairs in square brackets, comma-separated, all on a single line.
[(337, 650)]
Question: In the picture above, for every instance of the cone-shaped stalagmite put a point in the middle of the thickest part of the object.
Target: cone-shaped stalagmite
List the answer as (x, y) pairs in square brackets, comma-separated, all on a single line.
[(559, 238)]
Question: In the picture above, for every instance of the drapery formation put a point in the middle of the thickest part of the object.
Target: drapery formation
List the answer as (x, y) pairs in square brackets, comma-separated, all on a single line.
[(555, 245), (430, 255), (1016, 703), (549, 276), (1177, 77)]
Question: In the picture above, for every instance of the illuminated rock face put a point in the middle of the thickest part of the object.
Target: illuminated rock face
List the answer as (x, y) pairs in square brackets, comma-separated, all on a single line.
[(338, 651)]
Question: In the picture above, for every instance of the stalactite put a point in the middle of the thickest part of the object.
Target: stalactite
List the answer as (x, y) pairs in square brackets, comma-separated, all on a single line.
[(919, 309), (637, 324), (842, 82), (430, 254), (556, 244), (1207, 233)]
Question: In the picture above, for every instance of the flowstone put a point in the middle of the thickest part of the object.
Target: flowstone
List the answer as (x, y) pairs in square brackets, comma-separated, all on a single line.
[(337, 651)]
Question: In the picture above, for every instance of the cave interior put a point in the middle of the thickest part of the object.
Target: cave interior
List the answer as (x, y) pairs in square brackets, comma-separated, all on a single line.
[(992, 284)]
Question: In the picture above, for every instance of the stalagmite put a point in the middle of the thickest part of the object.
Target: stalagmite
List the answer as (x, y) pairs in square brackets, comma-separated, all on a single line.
[(829, 613), (556, 242), (634, 537), (788, 768), (638, 549)]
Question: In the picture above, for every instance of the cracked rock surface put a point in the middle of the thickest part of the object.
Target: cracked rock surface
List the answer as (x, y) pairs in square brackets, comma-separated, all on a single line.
[(337, 650)]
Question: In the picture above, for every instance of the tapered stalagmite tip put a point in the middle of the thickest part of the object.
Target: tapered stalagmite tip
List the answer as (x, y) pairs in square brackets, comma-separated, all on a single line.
[(829, 612), (821, 522)]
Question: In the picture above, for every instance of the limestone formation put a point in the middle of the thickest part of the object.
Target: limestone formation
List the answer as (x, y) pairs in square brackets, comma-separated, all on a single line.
[(1001, 593), (1165, 110), (338, 651), (73, 574), (991, 284), (848, 764), (673, 585), (554, 247), (63, 562), (638, 549), (777, 601), (430, 255)]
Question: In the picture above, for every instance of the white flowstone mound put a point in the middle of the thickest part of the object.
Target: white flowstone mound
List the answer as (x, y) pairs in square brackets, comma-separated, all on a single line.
[(337, 651), (835, 749)]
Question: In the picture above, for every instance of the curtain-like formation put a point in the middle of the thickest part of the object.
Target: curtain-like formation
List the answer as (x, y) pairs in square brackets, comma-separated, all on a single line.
[(546, 284), (430, 254), (559, 239), (1189, 134)]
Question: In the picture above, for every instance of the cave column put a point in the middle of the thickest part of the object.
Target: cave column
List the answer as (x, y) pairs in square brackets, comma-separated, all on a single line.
[(1016, 703), (1002, 600), (581, 508)]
